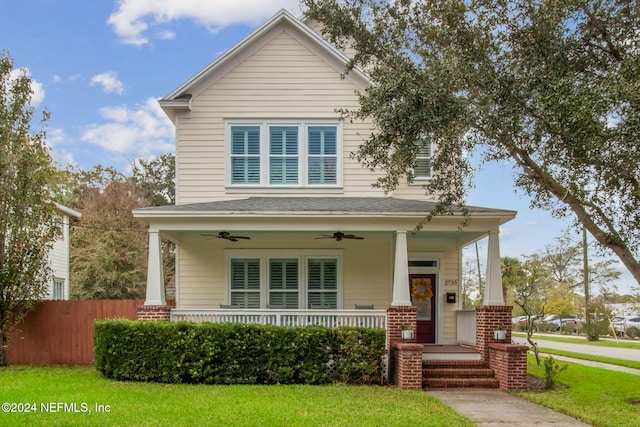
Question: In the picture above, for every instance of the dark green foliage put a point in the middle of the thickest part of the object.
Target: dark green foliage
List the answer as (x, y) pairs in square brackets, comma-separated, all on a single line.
[(231, 353)]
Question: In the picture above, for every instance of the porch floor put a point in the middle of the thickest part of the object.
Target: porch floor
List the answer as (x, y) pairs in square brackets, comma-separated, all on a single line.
[(449, 352)]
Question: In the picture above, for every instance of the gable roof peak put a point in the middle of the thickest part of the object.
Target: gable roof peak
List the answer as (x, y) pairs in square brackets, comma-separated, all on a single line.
[(178, 101)]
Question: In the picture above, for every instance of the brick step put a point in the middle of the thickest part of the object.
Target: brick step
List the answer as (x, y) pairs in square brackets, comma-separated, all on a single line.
[(458, 374), (445, 363), (476, 372), (460, 383)]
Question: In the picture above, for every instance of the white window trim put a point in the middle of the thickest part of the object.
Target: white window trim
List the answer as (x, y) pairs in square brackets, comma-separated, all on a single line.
[(62, 290), (301, 254), (302, 125), (421, 180)]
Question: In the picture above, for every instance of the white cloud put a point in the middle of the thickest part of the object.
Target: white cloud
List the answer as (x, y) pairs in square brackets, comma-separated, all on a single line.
[(109, 82), (138, 132), (56, 138), (38, 88), (166, 35), (133, 18)]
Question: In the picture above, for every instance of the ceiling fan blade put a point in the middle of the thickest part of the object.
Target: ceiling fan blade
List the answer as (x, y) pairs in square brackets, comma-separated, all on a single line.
[(351, 236), (225, 235)]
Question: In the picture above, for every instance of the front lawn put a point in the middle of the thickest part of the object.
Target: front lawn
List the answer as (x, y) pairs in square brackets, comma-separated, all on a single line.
[(599, 397), (81, 396)]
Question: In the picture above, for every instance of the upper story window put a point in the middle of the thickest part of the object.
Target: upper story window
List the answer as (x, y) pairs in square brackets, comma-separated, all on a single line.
[(277, 154), (422, 167)]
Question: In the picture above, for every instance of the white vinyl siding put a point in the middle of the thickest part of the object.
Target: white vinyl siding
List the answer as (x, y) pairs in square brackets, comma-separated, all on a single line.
[(283, 81), (301, 154)]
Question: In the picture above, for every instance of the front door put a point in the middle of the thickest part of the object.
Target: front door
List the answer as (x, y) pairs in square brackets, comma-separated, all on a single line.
[(423, 291)]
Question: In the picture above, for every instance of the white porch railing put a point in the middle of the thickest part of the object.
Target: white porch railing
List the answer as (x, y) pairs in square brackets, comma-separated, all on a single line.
[(329, 318), (466, 327)]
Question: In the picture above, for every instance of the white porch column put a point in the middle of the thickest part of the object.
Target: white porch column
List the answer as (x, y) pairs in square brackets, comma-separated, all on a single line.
[(401, 295), (155, 277), (493, 291)]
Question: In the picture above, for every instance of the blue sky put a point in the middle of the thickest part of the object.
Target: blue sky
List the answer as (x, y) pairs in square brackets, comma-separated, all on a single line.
[(99, 66)]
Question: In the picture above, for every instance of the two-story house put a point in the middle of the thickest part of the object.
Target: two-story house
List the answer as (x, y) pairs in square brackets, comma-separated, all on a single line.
[(275, 222), (59, 255)]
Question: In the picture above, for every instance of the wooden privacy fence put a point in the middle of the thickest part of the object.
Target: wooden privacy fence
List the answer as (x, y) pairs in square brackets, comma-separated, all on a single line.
[(61, 332)]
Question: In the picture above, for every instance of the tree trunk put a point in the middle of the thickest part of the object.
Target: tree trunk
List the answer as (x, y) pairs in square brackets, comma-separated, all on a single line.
[(3, 349)]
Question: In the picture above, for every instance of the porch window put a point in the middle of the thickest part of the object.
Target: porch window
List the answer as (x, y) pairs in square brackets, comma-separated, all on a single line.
[(284, 154), (283, 282), (323, 283), (284, 278), (245, 283)]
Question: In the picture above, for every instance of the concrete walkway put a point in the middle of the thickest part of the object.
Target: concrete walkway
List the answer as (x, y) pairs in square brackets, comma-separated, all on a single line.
[(498, 408)]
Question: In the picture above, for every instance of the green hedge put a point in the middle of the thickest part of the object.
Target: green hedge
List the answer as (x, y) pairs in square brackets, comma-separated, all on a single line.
[(233, 353)]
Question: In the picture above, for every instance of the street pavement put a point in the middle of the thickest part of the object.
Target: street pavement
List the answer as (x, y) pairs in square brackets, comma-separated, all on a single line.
[(614, 352)]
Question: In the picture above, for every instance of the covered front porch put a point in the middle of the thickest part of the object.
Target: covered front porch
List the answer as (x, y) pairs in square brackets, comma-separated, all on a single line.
[(373, 272)]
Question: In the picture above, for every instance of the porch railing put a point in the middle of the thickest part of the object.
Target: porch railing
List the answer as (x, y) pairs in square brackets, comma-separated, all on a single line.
[(466, 329), (329, 318)]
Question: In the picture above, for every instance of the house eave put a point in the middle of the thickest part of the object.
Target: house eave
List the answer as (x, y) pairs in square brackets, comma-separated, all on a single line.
[(68, 211)]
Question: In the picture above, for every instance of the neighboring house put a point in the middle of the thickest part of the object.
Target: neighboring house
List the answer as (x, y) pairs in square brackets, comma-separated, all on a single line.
[(59, 255), (275, 222)]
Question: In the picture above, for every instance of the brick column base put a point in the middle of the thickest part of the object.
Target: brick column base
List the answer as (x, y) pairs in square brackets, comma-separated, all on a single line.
[(509, 362), (397, 317), (154, 312), (408, 365), (488, 319)]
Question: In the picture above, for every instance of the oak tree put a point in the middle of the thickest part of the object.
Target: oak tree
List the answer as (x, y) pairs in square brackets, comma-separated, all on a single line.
[(550, 87)]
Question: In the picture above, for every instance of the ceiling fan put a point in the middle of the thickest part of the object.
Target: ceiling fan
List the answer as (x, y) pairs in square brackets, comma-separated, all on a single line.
[(228, 236), (338, 235)]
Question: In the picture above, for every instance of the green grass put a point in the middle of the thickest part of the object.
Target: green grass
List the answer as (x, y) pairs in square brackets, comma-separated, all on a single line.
[(603, 359), (596, 396), (147, 404)]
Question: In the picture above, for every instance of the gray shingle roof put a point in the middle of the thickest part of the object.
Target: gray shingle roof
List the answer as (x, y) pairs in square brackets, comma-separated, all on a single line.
[(310, 205)]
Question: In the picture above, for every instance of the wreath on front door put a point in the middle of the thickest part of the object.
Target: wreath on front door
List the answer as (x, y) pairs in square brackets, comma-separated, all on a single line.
[(421, 290)]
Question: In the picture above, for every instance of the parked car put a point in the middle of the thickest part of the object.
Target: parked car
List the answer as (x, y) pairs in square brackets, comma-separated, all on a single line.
[(627, 326), (633, 328), (555, 322), (619, 324), (519, 319)]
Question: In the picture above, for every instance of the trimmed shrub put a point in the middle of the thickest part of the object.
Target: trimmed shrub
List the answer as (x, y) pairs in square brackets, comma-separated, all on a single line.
[(233, 353)]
